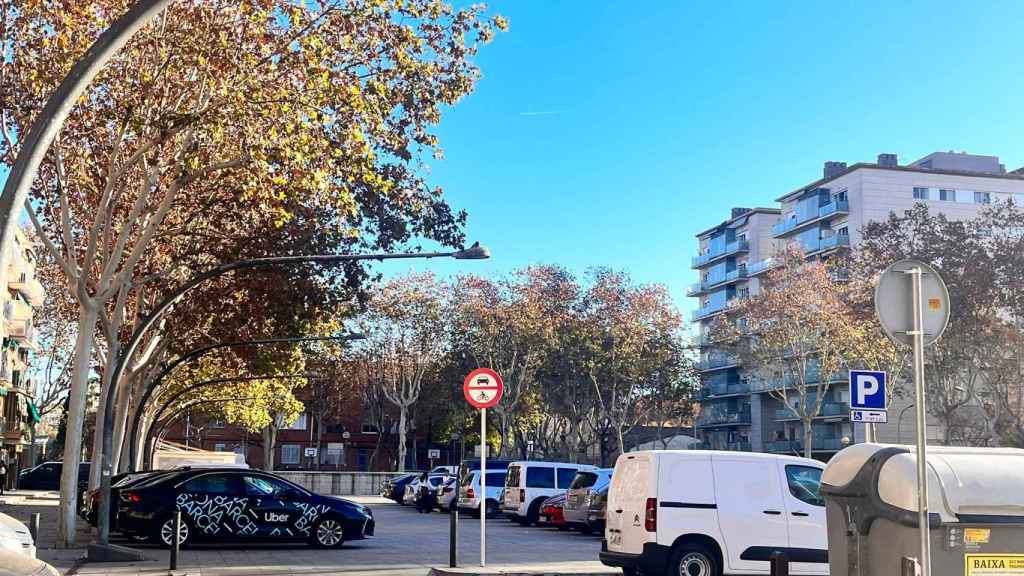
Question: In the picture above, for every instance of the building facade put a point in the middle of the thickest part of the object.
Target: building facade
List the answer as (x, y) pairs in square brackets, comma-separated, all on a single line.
[(825, 218), (17, 411)]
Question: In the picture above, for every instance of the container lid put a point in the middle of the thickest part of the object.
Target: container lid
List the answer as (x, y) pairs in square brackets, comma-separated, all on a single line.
[(963, 483)]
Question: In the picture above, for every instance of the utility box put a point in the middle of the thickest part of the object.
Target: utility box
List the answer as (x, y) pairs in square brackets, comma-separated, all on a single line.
[(975, 505)]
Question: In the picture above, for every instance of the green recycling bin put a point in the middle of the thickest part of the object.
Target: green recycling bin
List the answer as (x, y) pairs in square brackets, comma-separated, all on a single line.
[(975, 510)]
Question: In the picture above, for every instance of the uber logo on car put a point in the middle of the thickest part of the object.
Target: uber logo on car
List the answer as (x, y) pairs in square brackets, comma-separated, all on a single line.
[(275, 517)]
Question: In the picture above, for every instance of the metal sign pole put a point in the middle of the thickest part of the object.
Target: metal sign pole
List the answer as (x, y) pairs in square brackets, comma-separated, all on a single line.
[(922, 463), (483, 487)]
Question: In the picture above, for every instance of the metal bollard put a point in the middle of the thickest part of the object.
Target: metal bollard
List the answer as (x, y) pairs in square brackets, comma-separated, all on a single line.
[(909, 567), (779, 563), (33, 528), (453, 536), (176, 540)]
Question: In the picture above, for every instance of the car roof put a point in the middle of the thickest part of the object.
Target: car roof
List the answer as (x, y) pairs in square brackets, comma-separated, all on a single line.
[(546, 464)]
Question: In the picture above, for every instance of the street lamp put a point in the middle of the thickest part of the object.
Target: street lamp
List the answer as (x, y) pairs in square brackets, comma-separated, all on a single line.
[(101, 550), (150, 388)]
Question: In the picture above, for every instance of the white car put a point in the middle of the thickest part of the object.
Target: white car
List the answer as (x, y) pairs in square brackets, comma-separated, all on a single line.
[(469, 492), (528, 484), (447, 494), (413, 488), (703, 513), (14, 536), (17, 564)]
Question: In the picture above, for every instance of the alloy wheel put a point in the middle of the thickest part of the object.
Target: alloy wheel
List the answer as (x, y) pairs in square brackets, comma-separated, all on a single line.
[(167, 531), (329, 533)]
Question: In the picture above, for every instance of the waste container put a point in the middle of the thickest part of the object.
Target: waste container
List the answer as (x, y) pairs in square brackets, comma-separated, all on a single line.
[(975, 505)]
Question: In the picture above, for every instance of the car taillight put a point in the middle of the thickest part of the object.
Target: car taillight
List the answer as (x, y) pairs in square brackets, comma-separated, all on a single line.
[(651, 515), (130, 497), (470, 493)]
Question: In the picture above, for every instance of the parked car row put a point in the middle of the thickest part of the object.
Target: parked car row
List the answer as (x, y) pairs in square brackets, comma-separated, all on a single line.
[(229, 504), (560, 494)]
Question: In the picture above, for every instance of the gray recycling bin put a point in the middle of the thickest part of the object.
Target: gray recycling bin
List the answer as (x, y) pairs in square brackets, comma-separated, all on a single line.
[(975, 505)]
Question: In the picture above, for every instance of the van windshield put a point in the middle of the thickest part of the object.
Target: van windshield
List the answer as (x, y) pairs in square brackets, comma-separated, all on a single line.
[(583, 480)]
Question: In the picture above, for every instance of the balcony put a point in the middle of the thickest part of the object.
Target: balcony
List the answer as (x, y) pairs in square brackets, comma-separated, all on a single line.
[(718, 390), (828, 410), (716, 361), (27, 284), (796, 446), (23, 331), (831, 243), (711, 416), (833, 208), (787, 382), (731, 248), (761, 266), (730, 277)]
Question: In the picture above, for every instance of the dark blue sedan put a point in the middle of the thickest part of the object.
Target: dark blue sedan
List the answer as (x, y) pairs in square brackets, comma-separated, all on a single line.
[(222, 505)]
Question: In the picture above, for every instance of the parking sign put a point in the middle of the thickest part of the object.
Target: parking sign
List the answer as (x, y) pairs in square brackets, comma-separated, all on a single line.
[(867, 390), (867, 396)]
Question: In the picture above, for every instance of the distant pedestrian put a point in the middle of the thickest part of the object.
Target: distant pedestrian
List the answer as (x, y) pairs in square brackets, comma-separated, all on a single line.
[(426, 499), (3, 473)]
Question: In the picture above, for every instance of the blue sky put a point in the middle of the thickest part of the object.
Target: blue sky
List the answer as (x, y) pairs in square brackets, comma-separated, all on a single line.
[(609, 133)]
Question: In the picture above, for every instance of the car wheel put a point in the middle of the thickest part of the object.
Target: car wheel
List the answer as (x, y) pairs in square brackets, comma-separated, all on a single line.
[(533, 515), (164, 533), (328, 533), (692, 559)]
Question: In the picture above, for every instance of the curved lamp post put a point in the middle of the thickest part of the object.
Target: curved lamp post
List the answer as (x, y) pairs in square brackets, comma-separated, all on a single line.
[(205, 383), (150, 388), (101, 551), (177, 414)]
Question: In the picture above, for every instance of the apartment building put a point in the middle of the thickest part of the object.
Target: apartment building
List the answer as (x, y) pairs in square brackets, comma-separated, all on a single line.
[(729, 263), (17, 411), (825, 217)]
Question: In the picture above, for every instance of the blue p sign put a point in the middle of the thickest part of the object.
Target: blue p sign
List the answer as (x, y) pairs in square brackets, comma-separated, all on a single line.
[(867, 390)]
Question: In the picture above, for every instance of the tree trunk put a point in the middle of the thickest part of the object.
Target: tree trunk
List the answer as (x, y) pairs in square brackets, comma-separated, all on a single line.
[(808, 439), (402, 415), (269, 438), (120, 424), (97, 436), (619, 439), (81, 364)]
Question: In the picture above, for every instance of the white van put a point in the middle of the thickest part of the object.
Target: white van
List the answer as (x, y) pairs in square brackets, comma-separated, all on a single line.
[(528, 484), (702, 513)]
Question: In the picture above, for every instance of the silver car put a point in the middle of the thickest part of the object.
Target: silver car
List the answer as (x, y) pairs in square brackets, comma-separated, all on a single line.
[(577, 497)]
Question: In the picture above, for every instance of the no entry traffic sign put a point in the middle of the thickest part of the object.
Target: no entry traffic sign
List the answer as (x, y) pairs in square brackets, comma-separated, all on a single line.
[(482, 388)]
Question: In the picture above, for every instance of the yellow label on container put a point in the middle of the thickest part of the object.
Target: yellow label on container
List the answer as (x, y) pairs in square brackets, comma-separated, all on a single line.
[(994, 564), (977, 535)]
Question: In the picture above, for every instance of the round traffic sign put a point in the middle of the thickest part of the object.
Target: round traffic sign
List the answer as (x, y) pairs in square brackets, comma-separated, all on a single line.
[(894, 302), (483, 388)]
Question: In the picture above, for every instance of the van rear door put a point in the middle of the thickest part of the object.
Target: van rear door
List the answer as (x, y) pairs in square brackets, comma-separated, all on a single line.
[(513, 484), (633, 482)]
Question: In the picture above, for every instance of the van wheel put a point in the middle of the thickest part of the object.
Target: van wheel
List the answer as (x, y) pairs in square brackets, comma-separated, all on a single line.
[(691, 559), (533, 515)]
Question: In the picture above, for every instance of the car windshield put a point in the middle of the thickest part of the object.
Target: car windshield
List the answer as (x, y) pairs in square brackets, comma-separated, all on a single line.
[(583, 480)]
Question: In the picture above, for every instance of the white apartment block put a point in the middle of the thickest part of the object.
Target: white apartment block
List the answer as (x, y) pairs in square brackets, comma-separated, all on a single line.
[(825, 217), (17, 409)]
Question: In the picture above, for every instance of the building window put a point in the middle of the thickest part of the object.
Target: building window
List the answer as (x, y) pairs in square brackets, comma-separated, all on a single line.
[(841, 196), (289, 454), (920, 193), (844, 231), (216, 423), (299, 424), (947, 195), (982, 198)]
